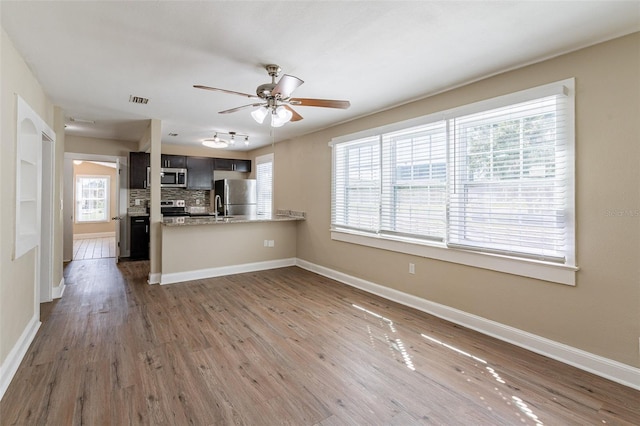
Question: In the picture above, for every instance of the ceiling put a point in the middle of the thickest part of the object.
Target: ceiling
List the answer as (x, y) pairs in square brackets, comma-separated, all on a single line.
[(90, 57)]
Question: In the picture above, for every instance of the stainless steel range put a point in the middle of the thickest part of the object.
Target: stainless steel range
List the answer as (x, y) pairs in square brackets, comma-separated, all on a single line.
[(173, 208)]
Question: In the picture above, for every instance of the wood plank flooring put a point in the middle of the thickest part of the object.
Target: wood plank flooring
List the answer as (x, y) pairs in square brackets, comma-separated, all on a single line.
[(94, 248), (281, 347)]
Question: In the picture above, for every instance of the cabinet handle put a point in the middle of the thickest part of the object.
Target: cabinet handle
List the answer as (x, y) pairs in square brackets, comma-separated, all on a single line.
[(146, 228), (144, 184)]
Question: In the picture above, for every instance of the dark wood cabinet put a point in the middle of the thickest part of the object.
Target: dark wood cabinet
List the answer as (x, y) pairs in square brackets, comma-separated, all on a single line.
[(173, 161), (199, 169), (229, 164), (139, 244), (242, 166), (138, 163), (200, 173)]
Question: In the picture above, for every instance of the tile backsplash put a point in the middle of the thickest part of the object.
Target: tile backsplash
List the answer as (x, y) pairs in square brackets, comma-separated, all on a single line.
[(191, 197)]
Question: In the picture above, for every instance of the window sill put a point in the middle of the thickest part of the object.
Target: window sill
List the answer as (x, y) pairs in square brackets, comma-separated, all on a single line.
[(561, 274)]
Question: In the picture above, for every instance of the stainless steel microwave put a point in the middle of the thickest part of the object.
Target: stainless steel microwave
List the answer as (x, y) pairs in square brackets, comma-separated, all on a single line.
[(170, 177)]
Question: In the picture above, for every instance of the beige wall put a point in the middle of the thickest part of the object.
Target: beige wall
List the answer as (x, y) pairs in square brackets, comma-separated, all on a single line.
[(93, 169), (17, 277), (96, 146), (201, 247), (202, 151), (601, 314)]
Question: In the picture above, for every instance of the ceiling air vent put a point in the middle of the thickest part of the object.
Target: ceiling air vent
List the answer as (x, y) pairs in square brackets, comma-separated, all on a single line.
[(138, 100)]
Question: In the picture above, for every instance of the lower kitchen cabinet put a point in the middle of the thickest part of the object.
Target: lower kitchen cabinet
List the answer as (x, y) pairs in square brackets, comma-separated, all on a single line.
[(139, 244)]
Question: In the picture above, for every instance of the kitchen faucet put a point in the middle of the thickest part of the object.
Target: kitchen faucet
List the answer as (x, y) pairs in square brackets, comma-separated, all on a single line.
[(218, 203)]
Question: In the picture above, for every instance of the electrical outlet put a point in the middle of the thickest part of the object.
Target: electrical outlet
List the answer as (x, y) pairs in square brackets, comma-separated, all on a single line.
[(272, 243), (412, 268), (198, 201), (137, 201)]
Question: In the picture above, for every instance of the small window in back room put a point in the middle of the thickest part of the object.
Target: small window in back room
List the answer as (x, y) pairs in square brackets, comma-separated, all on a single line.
[(92, 199), (264, 183)]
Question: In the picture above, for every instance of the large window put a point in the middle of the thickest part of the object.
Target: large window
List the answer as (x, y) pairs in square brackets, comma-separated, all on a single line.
[(92, 199), (492, 178), (264, 183)]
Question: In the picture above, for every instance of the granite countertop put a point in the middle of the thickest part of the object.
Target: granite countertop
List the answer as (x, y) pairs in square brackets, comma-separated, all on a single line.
[(137, 214), (280, 216)]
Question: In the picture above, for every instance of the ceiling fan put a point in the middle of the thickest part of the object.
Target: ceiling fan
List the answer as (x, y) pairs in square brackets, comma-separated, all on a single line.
[(275, 98)]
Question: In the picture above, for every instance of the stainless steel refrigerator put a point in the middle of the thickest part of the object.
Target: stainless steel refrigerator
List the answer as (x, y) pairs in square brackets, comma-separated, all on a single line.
[(238, 197)]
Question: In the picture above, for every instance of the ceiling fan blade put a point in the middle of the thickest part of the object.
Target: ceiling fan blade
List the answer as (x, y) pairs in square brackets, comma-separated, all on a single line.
[(295, 116), (215, 89), (227, 111), (286, 86), (325, 103)]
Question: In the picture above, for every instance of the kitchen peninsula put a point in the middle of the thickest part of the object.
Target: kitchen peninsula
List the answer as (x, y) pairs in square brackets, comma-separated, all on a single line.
[(209, 246)]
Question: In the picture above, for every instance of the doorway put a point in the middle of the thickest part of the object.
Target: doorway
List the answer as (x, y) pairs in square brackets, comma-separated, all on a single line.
[(95, 207)]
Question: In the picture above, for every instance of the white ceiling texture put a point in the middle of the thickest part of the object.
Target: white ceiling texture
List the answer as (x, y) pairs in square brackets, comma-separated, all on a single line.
[(91, 56)]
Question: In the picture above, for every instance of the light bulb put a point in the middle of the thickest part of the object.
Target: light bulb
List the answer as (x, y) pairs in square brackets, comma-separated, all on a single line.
[(280, 116), (259, 114)]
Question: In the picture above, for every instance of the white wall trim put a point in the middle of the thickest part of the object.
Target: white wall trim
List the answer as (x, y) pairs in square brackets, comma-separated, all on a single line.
[(58, 291), (154, 278), (604, 367), (94, 235), (226, 270), (12, 362)]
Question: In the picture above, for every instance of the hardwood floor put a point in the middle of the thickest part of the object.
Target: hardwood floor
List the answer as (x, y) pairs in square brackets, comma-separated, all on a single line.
[(279, 347), (94, 248)]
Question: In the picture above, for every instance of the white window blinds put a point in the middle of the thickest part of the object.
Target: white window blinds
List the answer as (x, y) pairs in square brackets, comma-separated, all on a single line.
[(264, 184), (414, 178), (494, 176), (509, 189), (356, 183)]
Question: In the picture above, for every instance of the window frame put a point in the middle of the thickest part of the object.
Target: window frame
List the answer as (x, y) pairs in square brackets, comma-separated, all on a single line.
[(563, 273), (107, 199)]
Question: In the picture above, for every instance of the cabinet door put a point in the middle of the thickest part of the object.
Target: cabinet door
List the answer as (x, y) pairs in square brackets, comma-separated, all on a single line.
[(199, 173), (231, 165), (242, 166), (138, 163), (139, 244), (173, 161), (224, 164)]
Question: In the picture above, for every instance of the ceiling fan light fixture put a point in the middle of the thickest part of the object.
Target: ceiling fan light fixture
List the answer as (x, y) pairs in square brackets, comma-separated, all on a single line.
[(246, 140), (259, 114), (280, 116)]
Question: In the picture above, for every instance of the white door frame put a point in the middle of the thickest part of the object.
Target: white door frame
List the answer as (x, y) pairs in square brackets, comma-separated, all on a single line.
[(47, 206), (122, 200)]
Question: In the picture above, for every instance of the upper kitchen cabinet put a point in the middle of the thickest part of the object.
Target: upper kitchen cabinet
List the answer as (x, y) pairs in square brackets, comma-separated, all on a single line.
[(173, 161), (138, 163), (228, 164), (200, 173)]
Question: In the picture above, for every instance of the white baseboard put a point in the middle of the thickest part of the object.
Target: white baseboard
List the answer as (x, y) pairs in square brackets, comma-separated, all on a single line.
[(12, 362), (58, 291), (604, 367), (94, 235), (225, 270), (154, 278)]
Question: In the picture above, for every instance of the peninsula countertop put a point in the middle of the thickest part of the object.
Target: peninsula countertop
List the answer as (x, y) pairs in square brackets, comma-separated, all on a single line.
[(280, 216)]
